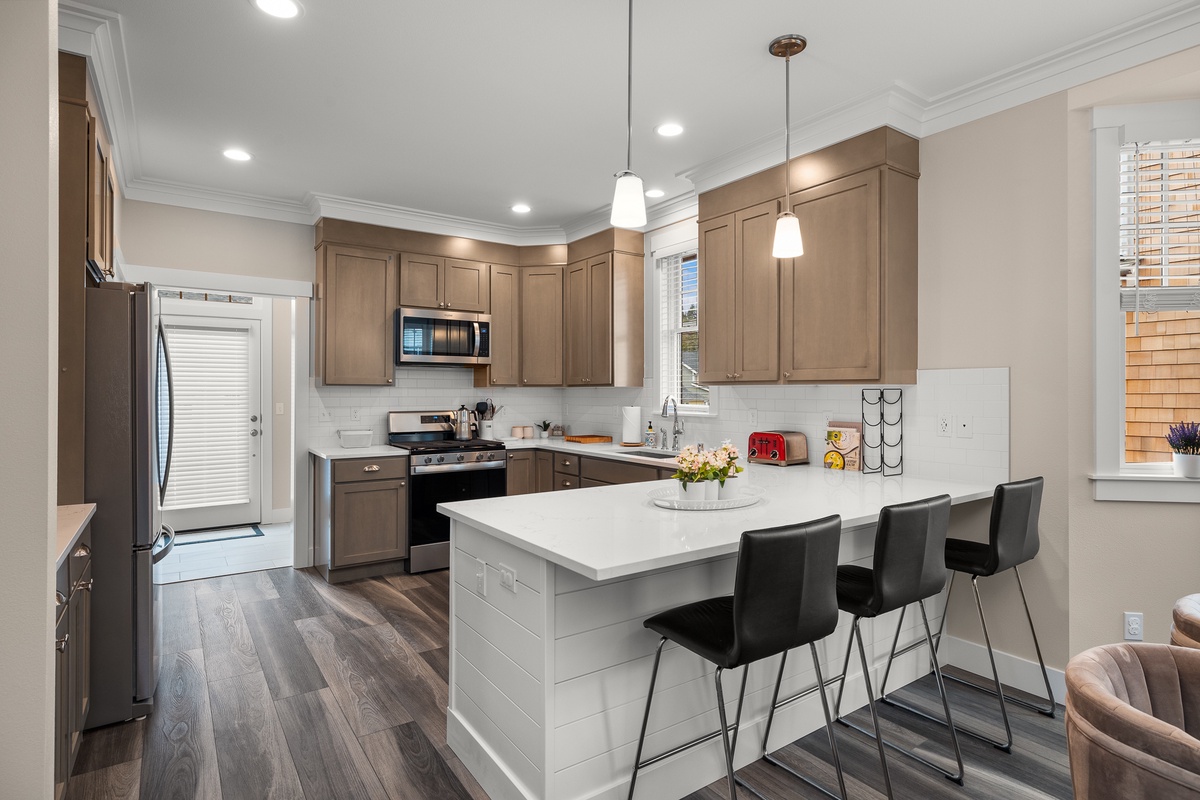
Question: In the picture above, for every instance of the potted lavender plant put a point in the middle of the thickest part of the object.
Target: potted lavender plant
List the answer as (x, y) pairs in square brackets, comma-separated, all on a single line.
[(1184, 439)]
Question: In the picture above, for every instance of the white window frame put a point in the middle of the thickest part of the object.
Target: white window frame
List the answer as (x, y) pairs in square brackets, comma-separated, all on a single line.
[(1112, 126), (678, 248)]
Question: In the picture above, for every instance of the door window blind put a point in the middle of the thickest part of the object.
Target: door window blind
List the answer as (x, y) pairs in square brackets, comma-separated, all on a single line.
[(210, 460), (1160, 226), (679, 315)]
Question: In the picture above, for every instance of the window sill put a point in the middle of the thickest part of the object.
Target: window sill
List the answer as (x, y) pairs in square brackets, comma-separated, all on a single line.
[(1145, 488)]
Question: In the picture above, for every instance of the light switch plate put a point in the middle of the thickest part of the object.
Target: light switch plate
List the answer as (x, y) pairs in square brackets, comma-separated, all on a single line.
[(279, 408), (964, 426)]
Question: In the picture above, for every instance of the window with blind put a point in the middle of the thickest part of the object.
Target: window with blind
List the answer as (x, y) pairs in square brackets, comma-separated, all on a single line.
[(210, 459), (679, 321), (1159, 291)]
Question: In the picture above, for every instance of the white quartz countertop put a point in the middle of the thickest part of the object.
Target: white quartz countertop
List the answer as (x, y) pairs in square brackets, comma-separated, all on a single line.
[(71, 522), (610, 450), (374, 451), (614, 531)]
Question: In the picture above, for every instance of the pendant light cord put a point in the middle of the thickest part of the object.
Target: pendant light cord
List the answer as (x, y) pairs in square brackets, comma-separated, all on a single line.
[(629, 95), (787, 139)]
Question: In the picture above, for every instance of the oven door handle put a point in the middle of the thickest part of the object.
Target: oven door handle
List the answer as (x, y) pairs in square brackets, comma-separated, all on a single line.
[(478, 339), (430, 469)]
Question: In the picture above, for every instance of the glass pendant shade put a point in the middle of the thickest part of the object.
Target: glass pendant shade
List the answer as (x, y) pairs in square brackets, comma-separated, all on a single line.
[(788, 243), (629, 203)]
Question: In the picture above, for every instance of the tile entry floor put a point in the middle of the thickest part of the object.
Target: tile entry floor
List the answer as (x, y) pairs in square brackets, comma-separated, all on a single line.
[(230, 557)]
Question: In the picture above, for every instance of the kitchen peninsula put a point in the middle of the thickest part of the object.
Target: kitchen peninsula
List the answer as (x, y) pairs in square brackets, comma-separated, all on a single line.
[(549, 661)]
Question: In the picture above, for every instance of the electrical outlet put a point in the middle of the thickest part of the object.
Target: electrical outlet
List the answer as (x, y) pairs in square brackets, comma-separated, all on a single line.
[(355, 415), (964, 427), (943, 424), (508, 578), (324, 416), (753, 417), (1133, 626), (480, 577), (279, 408)]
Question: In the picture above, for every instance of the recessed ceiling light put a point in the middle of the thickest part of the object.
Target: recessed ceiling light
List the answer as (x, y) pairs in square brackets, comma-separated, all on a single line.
[(654, 193), (669, 129), (284, 9), (521, 208), (234, 154)]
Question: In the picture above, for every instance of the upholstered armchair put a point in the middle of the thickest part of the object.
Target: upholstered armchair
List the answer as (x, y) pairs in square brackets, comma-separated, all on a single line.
[(1133, 715), (1185, 617)]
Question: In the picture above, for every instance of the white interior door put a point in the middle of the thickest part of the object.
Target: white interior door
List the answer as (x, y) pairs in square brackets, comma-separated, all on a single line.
[(216, 459)]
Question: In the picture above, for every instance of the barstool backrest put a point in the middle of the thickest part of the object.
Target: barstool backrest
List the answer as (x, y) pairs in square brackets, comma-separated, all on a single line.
[(910, 552), (1014, 527), (785, 592)]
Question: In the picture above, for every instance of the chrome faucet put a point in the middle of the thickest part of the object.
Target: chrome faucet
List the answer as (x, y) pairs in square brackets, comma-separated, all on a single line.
[(676, 428)]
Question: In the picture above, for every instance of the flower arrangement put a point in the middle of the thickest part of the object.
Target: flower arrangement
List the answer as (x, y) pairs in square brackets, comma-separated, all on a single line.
[(1184, 438), (695, 464)]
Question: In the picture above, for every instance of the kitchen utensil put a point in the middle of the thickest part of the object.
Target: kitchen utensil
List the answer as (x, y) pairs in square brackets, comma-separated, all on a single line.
[(481, 408), (462, 423), (487, 429), (777, 447)]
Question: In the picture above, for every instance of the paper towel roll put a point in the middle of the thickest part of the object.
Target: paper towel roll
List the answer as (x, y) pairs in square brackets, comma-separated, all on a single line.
[(631, 424)]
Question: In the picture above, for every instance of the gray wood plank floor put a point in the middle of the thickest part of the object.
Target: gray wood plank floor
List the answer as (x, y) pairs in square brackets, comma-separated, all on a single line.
[(277, 685)]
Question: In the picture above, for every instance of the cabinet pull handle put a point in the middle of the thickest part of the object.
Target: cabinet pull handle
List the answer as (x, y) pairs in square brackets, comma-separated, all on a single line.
[(787, 374), (61, 644), (404, 483), (389, 380), (729, 375), (87, 585), (566, 483), (81, 551), (59, 599), (737, 374), (371, 468)]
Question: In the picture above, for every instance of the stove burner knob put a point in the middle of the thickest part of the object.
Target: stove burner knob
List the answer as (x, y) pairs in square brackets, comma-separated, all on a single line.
[(441, 459), (491, 456), (753, 452), (428, 460), (774, 455), (461, 457), (479, 456)]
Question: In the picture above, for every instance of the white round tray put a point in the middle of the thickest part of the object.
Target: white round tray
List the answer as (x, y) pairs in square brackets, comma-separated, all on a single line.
[(742, 496)]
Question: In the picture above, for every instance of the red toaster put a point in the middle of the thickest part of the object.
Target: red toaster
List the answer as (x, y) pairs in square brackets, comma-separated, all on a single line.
[(777, 447)]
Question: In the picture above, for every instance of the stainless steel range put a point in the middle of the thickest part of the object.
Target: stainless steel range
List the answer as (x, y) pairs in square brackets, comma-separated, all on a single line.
[(441, 469)]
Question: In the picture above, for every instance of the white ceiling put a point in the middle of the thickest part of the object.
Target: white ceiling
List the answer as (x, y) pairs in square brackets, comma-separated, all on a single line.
[(441, 115)]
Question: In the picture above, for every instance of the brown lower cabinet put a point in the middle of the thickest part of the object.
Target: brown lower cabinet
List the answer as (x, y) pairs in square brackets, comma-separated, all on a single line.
[(546, 470), (544, 467), (361, 516), (72, 645), (520, 472)]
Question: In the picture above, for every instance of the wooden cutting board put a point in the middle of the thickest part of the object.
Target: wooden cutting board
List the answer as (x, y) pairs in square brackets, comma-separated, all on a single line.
[(588, 438)]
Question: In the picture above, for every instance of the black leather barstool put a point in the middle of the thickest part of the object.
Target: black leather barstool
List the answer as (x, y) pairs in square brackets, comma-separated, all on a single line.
[(908, 568), (1012, 540), (783, 597)]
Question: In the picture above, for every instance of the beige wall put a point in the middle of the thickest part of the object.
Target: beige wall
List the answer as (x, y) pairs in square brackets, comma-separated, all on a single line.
[(991, 280), (154, 235), (28, 394), (1006, 279)]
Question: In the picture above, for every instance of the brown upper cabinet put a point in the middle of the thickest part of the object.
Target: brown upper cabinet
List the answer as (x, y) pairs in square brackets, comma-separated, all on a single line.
[(356, 302), (437, 282), (603, 308), (541, 326), (846, 310), (505, 369)]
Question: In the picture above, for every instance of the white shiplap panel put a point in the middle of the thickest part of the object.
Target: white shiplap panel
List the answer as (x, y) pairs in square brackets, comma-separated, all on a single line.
[(512, 639), (509, 754), (530, 569), (521, 687), (514, 723), (524, 606)]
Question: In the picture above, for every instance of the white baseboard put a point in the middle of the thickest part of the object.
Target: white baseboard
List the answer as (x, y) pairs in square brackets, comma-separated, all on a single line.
[(1014, 671), (274, 516)]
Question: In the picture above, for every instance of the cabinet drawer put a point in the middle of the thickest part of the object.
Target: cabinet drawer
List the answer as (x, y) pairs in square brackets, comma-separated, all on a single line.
[(566, 464), (605, 471), (369, 469), (565, 480)]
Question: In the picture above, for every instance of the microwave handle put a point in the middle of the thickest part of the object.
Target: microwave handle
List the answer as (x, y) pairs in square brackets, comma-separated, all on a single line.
[(477, 339)]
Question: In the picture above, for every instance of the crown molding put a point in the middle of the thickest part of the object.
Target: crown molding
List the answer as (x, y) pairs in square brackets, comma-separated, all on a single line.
[(201, 199), (676, 209)]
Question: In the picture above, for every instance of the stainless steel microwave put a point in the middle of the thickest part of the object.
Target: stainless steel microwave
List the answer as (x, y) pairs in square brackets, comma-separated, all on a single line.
[(435, 336)]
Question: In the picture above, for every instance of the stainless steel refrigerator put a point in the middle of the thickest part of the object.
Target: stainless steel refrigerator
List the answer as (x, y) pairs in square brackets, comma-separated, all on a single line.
[(127, 457)]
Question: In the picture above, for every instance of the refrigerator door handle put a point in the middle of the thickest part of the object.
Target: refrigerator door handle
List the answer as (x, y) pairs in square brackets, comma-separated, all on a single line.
[(162, 338), (169, 534)]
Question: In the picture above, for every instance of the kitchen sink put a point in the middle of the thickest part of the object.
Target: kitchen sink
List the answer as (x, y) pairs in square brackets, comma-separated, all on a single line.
[(647, 453)]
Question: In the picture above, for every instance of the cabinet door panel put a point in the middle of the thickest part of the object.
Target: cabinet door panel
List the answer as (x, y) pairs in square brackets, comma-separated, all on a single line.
[(575, 318), (506, 312), (600, 330), (756, 292), (716, 300), (831, 293), (541, 326), (544, 468), (360, 301), (421, 281), (466, 285), (520, 473), (369, 522)]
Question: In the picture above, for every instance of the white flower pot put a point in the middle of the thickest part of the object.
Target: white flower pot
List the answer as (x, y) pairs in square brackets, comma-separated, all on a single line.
[(711, 488), (1186, 466)]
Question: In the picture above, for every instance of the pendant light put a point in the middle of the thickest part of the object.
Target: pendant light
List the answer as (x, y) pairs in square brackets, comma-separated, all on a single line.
[(788, 243), (629, 204)]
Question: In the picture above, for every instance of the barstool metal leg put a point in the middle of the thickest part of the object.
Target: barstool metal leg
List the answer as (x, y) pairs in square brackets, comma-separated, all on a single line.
[(1049, 711), (862, 654), (837, 762), (937, 673), (637, 759), (725, 736), (1007, 747), (837, 705)]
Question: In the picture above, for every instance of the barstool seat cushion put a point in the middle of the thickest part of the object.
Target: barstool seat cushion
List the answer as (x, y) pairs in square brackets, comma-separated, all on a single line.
[(972, 558), (856, 590), (704, 627), (1186, 617)]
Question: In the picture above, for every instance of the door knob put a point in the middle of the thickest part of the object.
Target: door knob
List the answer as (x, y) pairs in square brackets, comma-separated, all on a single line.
[(254, 432), (254, 417)]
